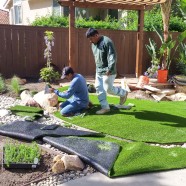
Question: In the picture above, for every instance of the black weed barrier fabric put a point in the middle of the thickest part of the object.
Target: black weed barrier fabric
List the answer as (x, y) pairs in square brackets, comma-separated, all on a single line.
[(99, 154), (33, 130)]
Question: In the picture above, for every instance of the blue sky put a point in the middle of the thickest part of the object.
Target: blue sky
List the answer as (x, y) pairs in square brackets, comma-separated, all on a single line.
[(2, 3)]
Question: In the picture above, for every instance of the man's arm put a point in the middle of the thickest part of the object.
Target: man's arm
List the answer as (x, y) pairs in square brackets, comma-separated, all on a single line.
[(66, 94), (111, 56)]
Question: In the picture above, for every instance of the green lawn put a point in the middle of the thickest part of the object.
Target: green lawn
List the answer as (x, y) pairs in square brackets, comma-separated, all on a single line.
[(148, 121)]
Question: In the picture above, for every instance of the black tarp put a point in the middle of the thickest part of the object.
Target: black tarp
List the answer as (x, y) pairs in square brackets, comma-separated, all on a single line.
[(33, 130), (99, 154)]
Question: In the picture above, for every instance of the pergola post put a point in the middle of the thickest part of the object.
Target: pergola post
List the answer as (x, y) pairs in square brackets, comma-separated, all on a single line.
[(72, 37), (139, 49)]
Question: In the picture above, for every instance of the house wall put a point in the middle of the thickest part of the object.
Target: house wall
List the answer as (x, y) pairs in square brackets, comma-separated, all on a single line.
[(35, 8)]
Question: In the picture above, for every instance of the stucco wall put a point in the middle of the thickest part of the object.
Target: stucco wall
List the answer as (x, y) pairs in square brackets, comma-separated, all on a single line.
[(35, 8)]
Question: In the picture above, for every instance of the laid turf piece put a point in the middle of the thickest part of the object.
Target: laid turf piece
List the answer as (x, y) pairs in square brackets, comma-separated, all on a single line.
[(148, 121)]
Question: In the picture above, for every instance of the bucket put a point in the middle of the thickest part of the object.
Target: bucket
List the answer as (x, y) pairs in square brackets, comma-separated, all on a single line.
[(162, 76), (143, 80)]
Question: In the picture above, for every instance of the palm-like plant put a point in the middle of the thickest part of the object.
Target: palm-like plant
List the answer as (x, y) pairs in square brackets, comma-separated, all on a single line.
[(155, 60)]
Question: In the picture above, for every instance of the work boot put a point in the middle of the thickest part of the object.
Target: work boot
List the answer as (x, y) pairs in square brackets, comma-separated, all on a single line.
[(103, 111), (123, 98)]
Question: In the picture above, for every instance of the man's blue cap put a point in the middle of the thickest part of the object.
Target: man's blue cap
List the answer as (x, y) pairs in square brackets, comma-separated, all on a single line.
[(66, 71), (91, 32)]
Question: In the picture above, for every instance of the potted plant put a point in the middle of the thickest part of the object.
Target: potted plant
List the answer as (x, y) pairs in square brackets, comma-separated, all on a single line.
[(167, 53), (155, 60), (20, 155)]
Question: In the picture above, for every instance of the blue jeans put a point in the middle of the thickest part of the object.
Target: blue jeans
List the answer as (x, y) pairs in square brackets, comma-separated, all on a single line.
[(70, 107), (104, 85)]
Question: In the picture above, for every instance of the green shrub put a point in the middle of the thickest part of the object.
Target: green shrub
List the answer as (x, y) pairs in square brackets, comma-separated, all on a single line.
[(177, 24), (152, 18), (15, 86), (48, 74), (51, 21), (181, 60), (2, 85)]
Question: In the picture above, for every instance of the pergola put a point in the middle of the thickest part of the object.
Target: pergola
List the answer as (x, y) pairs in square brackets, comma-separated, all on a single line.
[(138, 5)]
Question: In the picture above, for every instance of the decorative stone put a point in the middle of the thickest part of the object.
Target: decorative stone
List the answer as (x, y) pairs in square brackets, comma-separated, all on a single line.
[(57, 158), (72, 162), (4, 112), (46, 100), (58, 167)]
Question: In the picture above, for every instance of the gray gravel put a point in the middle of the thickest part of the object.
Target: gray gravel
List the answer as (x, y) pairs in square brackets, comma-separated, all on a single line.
[(5, 103)]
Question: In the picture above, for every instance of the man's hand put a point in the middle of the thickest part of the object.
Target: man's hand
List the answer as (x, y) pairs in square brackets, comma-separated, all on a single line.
[(108, 73), (51, 90)]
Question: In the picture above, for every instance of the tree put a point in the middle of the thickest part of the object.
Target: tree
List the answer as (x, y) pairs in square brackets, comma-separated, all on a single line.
[(165, 10)]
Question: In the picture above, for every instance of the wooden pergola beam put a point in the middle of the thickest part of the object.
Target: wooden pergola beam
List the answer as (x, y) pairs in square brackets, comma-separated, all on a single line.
[(105, 5)]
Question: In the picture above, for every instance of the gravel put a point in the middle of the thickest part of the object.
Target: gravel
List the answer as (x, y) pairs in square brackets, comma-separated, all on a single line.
[(7, 117)]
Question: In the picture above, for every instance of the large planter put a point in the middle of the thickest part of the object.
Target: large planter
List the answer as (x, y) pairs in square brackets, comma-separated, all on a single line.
[(162, 76)]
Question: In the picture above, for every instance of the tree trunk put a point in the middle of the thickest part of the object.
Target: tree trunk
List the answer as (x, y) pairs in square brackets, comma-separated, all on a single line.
[(165, 11)]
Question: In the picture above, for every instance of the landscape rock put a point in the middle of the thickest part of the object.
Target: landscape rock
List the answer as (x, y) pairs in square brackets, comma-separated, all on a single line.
[(57, 158), (27, 99), (72, 162), (58, 167), (177, 97), (46, 100), (4, 112)]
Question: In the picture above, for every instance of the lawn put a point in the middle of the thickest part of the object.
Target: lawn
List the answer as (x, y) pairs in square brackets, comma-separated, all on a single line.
[(148, 121)]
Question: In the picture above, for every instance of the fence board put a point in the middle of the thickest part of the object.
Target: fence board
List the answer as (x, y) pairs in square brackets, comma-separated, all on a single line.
[(22, 48)]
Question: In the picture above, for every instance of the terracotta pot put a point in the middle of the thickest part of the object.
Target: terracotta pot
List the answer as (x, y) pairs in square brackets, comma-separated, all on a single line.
[(143, 80), (162, 76)]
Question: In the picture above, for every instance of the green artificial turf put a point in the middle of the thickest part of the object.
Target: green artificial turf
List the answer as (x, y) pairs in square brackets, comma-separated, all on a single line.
[(30, 113), (148, 121), (138, 157), (20, 108)]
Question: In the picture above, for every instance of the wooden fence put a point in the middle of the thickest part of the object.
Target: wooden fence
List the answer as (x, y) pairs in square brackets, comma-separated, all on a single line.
[(22, 50)]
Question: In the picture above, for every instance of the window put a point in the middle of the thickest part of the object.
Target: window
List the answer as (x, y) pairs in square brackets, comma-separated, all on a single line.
[(17, 12), (58, 10)]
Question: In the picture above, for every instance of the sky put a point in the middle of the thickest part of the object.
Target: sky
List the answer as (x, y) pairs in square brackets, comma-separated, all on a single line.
[(2, 3)]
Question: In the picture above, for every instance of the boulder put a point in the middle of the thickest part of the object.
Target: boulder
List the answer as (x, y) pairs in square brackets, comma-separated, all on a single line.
[(58, 167), (56, 158), (72, 162), (27, 99), (46, 100)]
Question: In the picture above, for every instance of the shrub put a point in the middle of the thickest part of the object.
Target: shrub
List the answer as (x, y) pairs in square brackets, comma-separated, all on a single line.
[(152, 18), (2, 85), (48, 74), (15, 86), (181, 60)]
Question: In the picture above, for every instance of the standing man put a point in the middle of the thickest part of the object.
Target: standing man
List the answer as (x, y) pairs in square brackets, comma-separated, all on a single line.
[(76, 95), (105, 58)]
